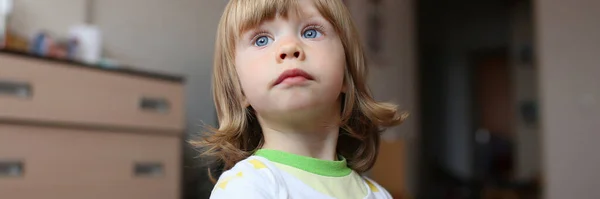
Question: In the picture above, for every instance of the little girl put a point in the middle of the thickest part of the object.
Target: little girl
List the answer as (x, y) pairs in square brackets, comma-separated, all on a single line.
[(296, 119)]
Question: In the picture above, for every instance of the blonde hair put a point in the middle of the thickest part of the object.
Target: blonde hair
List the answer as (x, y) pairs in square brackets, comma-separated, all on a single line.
[(239, 134)]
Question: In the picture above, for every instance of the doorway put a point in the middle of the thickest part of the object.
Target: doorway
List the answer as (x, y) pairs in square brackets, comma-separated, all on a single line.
[(471, 67)]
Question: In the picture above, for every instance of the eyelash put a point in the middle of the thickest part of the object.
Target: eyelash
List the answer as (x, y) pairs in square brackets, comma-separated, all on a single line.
[(257, 35), (317, 27), (261, 33)]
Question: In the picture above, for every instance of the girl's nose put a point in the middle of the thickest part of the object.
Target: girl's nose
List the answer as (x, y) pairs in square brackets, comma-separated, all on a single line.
[(290, 51)]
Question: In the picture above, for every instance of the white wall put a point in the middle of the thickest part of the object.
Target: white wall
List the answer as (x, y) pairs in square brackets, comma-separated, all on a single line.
[(569, 60), (31, 16)]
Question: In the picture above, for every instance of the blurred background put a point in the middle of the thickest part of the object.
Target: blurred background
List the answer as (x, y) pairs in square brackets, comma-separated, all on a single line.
[(98, 97)]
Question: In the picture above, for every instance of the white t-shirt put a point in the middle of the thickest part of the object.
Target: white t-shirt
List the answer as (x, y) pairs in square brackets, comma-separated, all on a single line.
[(257, 177)]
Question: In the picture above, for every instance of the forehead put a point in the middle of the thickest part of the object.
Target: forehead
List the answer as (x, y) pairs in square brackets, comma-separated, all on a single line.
[(247, 14)]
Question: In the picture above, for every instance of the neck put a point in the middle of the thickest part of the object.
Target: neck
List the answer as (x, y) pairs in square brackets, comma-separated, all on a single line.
[(312, 135)]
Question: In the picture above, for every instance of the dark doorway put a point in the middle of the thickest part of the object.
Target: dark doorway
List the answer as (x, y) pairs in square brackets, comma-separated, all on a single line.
[(467, 55)]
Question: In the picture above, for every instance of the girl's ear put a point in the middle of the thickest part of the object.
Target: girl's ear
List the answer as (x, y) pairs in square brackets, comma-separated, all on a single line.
[(244, 101), (345, 85)]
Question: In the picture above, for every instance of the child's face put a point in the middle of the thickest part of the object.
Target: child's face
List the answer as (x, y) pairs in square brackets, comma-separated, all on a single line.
[(303, 47)]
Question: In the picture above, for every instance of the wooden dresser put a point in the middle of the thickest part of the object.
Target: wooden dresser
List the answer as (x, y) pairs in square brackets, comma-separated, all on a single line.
[(71, 131)]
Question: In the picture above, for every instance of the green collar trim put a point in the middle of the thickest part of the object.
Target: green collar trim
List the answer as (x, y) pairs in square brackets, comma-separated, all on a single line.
[(313, 165)]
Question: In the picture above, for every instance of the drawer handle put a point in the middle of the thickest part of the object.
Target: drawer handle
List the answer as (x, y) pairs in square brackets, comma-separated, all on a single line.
[(148, 169), (11, 169), (16, 89), (159, 105)]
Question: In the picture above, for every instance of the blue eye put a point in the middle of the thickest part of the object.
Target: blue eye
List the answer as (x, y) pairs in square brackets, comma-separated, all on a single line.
[(262, 41), (311, 33)]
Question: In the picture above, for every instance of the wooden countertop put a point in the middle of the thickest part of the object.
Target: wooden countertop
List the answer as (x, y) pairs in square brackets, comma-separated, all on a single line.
[(121, 69)]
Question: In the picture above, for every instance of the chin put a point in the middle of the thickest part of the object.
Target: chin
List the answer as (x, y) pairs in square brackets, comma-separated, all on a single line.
[(297, 105), (300, 105)]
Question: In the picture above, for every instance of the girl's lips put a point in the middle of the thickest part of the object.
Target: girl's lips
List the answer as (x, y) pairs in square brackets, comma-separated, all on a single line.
[(293, 75)]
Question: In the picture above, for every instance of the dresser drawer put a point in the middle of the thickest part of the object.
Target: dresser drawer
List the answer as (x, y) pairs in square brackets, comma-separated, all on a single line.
[(42, 91), (40, 162)]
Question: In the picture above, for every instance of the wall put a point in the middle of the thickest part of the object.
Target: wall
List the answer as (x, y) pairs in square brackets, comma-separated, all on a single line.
[(568, 56), (56, 16), (524, 77), (393, 79)]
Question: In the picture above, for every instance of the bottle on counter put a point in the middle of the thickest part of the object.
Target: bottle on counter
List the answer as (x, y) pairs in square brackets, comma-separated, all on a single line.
[(5, 9)]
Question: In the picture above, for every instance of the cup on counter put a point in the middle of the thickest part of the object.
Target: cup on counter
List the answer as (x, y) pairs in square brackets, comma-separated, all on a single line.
[(89, 43)]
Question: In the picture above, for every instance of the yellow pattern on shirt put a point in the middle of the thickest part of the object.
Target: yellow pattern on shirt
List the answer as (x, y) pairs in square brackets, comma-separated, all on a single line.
[(224, 183), (257, 164), (347, 187), (372, 186)]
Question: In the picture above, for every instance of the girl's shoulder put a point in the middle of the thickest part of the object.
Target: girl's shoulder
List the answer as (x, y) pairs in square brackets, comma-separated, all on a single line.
[(376, 190), (253, 168), (252, 177)]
